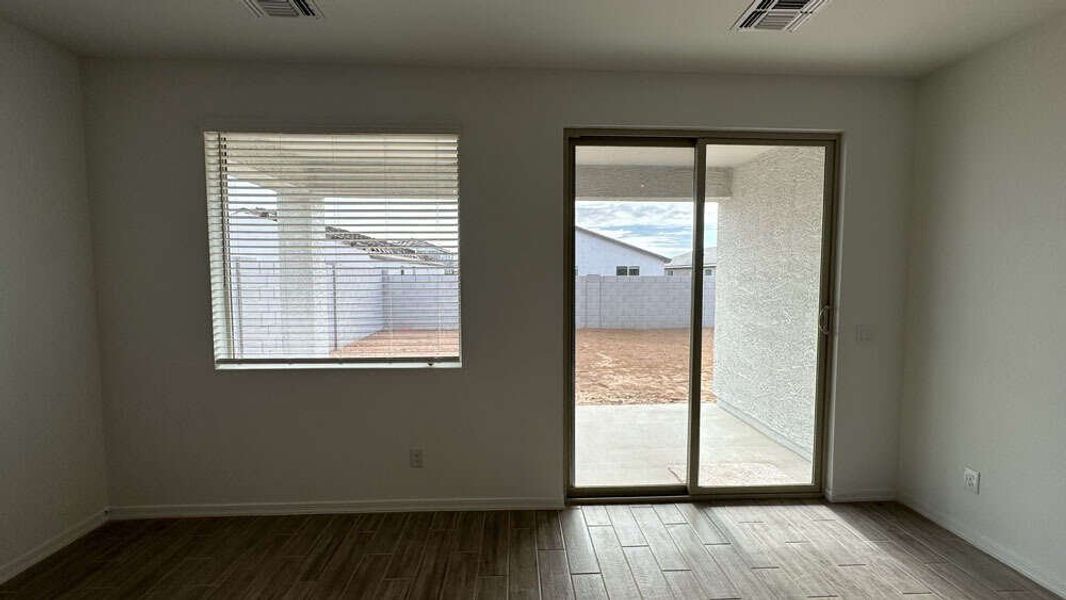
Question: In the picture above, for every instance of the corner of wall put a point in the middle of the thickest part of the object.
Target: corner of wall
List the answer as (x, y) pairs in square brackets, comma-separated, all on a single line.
[(56, 457)]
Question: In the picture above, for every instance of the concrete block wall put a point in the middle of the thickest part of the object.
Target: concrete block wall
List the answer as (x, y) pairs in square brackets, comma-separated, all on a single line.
[(266, 317), (346, 302), (356, 305), (420, 301), (652, 302)]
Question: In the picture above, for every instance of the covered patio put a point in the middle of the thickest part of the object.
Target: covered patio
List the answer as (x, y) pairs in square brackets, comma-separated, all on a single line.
[(648, 443)]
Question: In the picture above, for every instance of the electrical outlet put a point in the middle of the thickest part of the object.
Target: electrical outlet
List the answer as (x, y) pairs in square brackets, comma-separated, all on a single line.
[(971, 480), (415, 458)]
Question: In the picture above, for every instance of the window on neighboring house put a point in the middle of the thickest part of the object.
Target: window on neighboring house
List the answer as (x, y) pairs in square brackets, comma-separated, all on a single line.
[(634, 271), (625, 271), (309, 236)]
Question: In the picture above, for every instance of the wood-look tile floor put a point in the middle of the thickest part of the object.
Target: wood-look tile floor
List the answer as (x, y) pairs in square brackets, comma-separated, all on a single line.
[(767, 549)]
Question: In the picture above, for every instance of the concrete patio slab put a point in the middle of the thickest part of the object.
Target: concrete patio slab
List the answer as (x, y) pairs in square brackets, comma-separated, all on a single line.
[(631, 445)]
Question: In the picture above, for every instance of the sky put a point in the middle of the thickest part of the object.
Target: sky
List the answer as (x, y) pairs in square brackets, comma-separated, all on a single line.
[(661, 227)]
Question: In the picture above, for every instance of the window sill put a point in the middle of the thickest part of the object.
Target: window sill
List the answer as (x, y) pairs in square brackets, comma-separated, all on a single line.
[(362, 366)]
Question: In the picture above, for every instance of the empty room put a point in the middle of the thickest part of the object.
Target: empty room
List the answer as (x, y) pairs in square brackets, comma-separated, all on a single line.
[(599, 299)]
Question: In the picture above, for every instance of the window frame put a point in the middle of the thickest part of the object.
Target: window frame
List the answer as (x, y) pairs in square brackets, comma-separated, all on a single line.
[(239, 126)]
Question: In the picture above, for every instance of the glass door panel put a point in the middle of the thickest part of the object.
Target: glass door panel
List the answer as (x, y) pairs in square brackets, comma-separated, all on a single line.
[(762, 291), (633, 217)]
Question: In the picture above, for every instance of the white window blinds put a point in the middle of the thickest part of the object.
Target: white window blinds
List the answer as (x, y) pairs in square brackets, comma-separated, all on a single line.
[(333, 248)]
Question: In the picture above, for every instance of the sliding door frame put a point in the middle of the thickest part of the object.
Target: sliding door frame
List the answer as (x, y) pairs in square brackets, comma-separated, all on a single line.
[(699, 140)]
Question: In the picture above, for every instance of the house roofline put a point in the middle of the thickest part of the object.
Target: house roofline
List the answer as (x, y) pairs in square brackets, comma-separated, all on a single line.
[(676, 267), (621, 243)]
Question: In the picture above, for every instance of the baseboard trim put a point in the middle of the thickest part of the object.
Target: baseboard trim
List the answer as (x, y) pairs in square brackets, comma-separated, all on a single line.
[(987, 545), (328, 507), (869, 495), (12, 568)]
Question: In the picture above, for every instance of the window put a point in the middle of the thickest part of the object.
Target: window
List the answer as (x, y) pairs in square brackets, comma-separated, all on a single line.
[(634, 271), (624, 271), (334, 249)]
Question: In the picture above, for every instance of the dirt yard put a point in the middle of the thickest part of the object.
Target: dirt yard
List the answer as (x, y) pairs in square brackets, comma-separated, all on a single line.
[(614, 366), (638, 366), (403, 342)]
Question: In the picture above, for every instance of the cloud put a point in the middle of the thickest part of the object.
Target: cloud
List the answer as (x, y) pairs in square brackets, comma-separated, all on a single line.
[(661, 227)]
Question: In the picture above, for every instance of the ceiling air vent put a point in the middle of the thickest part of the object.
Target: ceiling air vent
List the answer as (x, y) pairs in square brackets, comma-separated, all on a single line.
[(777, 15), (284, 8)]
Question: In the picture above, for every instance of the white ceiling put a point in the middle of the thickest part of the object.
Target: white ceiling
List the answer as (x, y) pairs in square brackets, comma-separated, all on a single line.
[(724, 155), (889, 37)]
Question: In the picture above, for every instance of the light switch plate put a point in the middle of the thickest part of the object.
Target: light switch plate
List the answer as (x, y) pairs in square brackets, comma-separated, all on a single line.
[(864, 333)]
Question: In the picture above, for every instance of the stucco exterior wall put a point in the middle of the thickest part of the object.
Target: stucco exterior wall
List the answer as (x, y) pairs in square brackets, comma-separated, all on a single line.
[(769, 260), (597, 256)]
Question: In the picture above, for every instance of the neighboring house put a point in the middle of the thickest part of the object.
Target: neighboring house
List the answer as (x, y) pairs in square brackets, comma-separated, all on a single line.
[(682, 263), (598, 254)]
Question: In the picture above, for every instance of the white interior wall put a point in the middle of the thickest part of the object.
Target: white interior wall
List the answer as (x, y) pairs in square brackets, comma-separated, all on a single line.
[(985, 376), (181, 434), (52, 470)]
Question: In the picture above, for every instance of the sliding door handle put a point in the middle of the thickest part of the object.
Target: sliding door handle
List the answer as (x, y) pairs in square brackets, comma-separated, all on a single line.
[(825, 319)]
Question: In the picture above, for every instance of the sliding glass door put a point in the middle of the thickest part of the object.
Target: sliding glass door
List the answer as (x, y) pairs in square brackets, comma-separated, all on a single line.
[(634, 211), (699, 296)]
